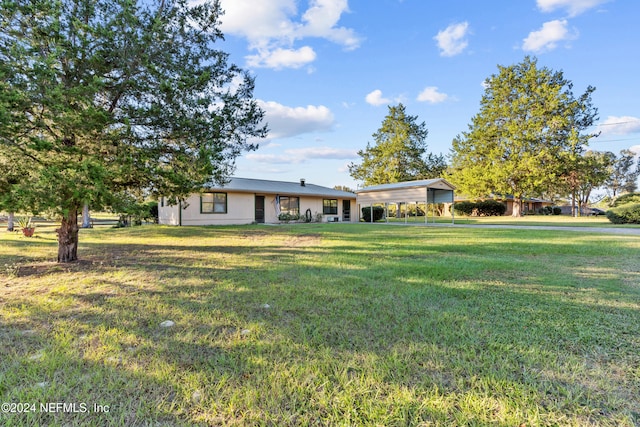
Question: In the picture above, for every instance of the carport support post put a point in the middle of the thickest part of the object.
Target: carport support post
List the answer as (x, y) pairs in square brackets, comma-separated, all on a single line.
[(406, 211), (453, 214), (426, 207), (371, 212)]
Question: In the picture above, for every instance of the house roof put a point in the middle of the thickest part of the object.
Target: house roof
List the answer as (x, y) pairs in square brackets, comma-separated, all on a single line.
[(248, 185), (437, 183)]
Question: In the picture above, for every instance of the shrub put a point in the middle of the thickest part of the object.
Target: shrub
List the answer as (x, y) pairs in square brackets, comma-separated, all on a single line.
[(464, 208), (482, 208), (626, 214), (627, 199), (547, 210), (286, 217), (378, 213), (557, 210), (491, 208)]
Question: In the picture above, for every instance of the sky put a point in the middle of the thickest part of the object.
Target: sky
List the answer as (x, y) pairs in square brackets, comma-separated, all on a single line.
[(326, 70)]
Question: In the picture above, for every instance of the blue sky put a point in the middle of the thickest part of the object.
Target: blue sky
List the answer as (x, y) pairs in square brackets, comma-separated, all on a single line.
[(326, 70)]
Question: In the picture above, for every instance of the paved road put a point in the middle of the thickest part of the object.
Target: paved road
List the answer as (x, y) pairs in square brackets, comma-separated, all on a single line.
[(607, 230)]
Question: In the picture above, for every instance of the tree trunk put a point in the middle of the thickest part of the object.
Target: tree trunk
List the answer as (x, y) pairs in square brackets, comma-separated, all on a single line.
[(517, 211), (86, 218), (68, 238), (10, 221)]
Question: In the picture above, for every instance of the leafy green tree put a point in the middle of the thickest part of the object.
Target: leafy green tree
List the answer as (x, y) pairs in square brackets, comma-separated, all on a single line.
[(399, 154), (343, 188), (108, 97), (528, 131), (586, 173), (624, 173), (12, 173)]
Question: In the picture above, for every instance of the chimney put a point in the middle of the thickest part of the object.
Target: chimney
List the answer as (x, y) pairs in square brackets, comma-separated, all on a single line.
[(302, 182)]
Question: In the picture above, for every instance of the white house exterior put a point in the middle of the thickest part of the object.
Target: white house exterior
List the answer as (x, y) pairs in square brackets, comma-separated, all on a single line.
[(246, 201)]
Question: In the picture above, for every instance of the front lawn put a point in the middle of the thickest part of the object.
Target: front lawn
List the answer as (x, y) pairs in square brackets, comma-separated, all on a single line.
[(321, 324)]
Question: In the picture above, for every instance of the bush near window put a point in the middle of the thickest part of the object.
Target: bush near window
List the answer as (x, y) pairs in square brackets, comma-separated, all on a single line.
[(626, 214), (547, 210), (378, 213), (286, 217)]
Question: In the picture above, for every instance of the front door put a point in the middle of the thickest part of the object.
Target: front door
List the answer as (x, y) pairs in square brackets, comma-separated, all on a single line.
[(346, 210), (260, 209)]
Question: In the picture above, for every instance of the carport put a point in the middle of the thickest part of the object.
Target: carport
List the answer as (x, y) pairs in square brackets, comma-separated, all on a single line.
[(428, 191)]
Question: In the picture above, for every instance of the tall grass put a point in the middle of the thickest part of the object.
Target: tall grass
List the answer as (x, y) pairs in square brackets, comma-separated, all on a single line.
[(325, 324)]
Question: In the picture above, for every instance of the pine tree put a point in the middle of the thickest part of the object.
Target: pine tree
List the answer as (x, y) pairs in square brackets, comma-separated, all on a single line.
[(399, 154), (104, 98)]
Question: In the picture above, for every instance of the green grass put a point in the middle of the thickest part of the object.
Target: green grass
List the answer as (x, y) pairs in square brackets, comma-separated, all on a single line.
[(323, 324)]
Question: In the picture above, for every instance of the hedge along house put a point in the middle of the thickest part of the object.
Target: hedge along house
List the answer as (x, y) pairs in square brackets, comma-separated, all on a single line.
[(422, 192), (246, 201)]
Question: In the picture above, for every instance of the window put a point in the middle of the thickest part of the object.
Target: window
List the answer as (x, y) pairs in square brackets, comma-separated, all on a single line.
[(213, 203), (290, 205), (330, 206)]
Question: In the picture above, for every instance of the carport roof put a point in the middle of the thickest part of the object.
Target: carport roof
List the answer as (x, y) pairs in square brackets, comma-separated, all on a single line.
[(437, 183)]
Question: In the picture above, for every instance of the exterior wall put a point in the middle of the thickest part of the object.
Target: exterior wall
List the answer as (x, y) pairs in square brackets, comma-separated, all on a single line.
[(527, 206), (241, 210), (306, 202), (168, 215)]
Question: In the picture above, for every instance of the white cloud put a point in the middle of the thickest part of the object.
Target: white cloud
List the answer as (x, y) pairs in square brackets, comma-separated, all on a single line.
[(573, 7), (376, 98), (321, 19), (282, 58), (431, 95), (452, 40), (273, 27), (286, 122), (302, 155), (623, 125), (258, 20), (323, 153), (548, 37)]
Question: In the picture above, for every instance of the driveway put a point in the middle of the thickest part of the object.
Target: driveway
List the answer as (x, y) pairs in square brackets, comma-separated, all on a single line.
[(607, 230), (622, 231)]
